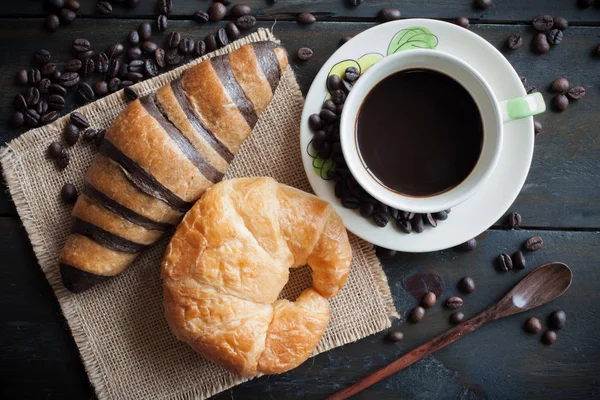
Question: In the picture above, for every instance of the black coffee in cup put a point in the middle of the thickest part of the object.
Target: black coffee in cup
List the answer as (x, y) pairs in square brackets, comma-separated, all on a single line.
[(419, 132)]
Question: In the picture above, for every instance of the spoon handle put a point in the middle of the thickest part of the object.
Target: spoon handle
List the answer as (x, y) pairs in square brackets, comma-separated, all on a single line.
[(444, 339)]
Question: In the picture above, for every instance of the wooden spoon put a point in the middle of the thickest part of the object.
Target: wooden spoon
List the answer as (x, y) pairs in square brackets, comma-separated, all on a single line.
[(540, 286)]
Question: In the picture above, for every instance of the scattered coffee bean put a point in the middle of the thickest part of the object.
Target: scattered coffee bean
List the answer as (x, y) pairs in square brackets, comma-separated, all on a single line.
[(211, 42), (304, 54), (533, 243), (306, 18), (89, 135), (555, 36), (73, 66), (504, 262), (48, 69), (69, 79), (173, 39), (88, 67), (533, 325), (239, 10), (21, 78), (543, 22), (232, 31), (125, 83), (201, 16), (416, 314), (17, 119), (66, 16), (55, 149), (68, 193), (560, 102), (79, 120), (33, 76), (514, 41), (514, 220), (172, 57), (55, 76), (396, 336), (162, 22), (456, 318), (518, 260), (557, 319), (115, 50), (135, 76), (186, 46), (355, 3), (81, 45), (463, 22), (101, 88), (145, 31), (200, 48), (52, 23), (150, 68), (114, 68), (85, 93), (537, 126), (71, 134), (72, 5), (541, 43), (549, 337), (389, 14), (85, 54), (429, 219), (20, 103), (56, 102), (32, 118), (63, 160), (560, 85), (314, 122), (404, 225), (42, 107), (466, 285), (104, 7), (561, 23), (380, 219), (245, 22), (42, 56), (133, 38), (454, 302), (222, 38), (385, 254), (149, 46), (32, 96), (134, 53), (429, 300), (136, 66), (576, 93), (49, 117), (217, 12), (115, 84), (469, 245), (483, 4), (130, 94), (159, 58)]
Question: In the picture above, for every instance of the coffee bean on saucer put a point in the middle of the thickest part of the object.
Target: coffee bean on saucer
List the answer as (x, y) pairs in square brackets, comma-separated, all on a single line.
[(55, 149), (416, 314), (429, 300), (514, 41), (560, 85), (380, 219), (338, 96), (537, 126), (541, 44), (404, 225), (385, 254), (549, 337), (396, 336), (466, 285), (52, 23), (463, 22), (430, 220), (454, 302), (79, 120), (351, 74), (71, 134), (514, 220), (561, 23), (533, 325), (504, 262), (328, 116), (333, 82), (560, 102), (533, 243), (440, 215), (483, 4), (389, 14), (518, 260), (345, 39), (543, 22), (456, 318), (314, 122), (557, 319), (68, 193), (349, 202), (306, 18), (366, 210), (304, 53), (417, 223), (576, 93), (469, 245), (555, 36)]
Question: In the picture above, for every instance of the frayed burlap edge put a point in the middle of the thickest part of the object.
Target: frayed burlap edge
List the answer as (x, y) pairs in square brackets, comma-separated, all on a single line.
[(14, 177)]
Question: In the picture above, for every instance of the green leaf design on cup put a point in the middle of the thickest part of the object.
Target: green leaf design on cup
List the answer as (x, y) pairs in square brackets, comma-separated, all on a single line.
[(416, 37)]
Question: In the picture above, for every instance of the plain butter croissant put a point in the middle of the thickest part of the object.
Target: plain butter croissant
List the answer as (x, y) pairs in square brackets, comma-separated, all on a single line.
[(161, 153), (228, 261)]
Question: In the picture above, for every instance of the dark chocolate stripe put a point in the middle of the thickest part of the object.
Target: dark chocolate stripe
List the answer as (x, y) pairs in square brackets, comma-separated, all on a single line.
[(208, 136), (142, 179), (233, 89), (186, 147), (77, 280), (268, 62), (105, 238), (122, 211)]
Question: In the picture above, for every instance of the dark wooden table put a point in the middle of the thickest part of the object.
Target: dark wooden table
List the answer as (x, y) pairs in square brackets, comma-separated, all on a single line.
[(560, 202)]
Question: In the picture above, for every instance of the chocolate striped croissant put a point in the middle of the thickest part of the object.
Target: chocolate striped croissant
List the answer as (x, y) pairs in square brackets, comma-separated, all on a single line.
[(161, 153)]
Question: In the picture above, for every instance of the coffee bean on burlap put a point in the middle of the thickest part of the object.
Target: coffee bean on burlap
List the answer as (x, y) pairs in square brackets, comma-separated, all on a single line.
[(79, 120), (71, 134), (130, 94), (68, 193)]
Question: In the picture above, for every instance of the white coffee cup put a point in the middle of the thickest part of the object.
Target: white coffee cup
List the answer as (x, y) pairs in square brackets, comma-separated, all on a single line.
[(494, 115)]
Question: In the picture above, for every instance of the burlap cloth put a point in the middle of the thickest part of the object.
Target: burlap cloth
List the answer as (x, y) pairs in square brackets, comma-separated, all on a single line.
[(124, 341)]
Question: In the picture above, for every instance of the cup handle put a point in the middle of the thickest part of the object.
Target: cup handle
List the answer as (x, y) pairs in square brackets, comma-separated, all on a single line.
[(522, 107)]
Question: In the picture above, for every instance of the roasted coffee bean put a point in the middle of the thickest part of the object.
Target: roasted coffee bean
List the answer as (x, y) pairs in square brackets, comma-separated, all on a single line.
[(416, 314), (325, 151), (159, 58), (126, 83), (172, 57), (333, 82), (560, 102), (232, 31), (418, 225), (145, 31), (86, 54), (115, 50), (81, 45), (162, 22), (72, 5), (17, 119), (404, 225), (201, 16), (66, 16), (211, 43), (555, 36), (42, 56), (514, 41), (57, 89), (537, 127), (533, 325), (69, 79), (469, 245), (346, 86), (135, 76), (530, 89), (338, 96), (333, 175), (89, 135), (456, 318), (104, 7), (351, 202), (366, 210), (47, 69), (22, 78), (466, 285), (543, 22), (462, 21), (225, 2), (560, 85), (102, 63), (338, 189), (440, 215), (20, 103), (541, 43), (314, 122), (245, 22), (504, 262), (344, 40), (165, 6), (306, 18), (549, 337), (71, 134), (518, 260), (114, 85), (557, 319), (55, 76), (429, 219), (328, 116), (514, 220), (79, 120), (173, 39), (148, 46), (86, 93), (68, 193), (32, 96), (429, 300), (217, 12), (389, 14), (561, 23), (49, 117), (150, 68), (133, 38), (52, 23), (328, 105), (73, 66), (239, 10), (55, 150), (136, 66), (130, 94), (186, 46), (134, 53), (454, 302), (34, 76), (533, 243), (63, 161), (114, 68), (483, 4), (576, 93), (56, 4), (380, 219), (41, 107), (351, 74), (32, 118), (396, 336), (200, 48), (222, 38)]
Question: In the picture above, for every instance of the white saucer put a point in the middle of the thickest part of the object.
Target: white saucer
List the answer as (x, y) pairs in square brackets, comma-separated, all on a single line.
[(474, 216)]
